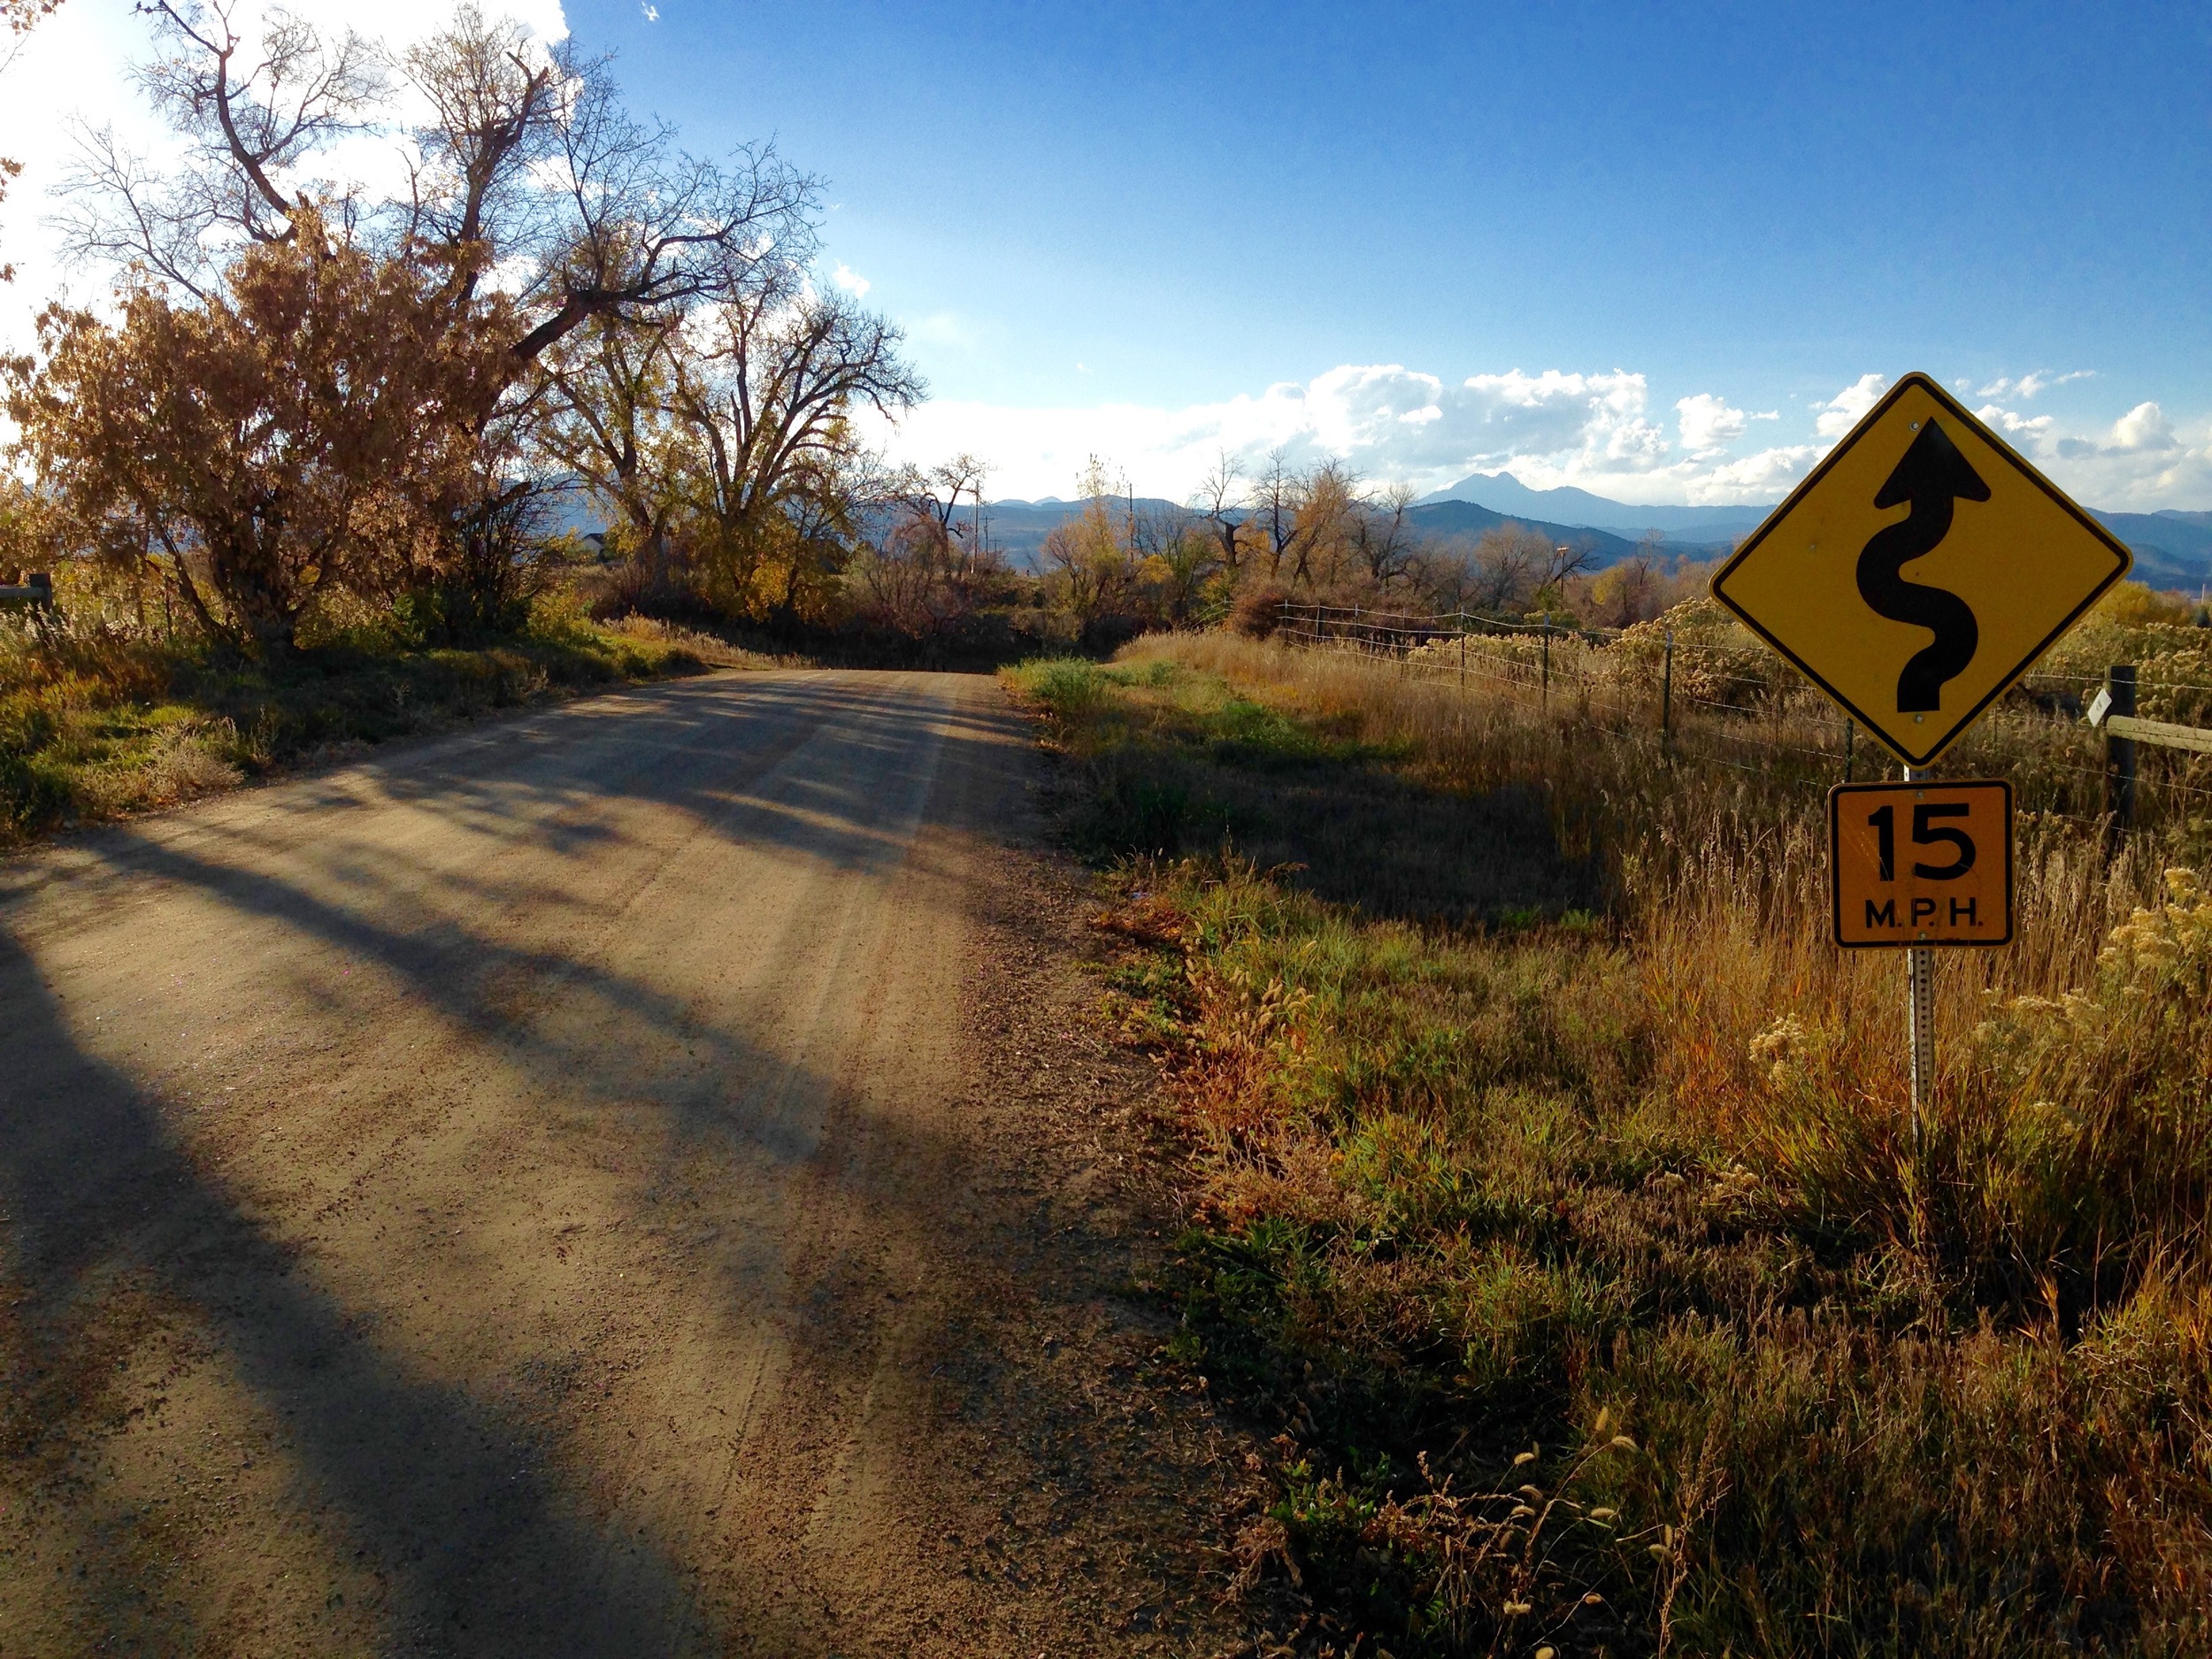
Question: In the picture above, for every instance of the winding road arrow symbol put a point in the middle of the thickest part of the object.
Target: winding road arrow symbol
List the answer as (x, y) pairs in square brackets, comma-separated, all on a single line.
[(1931, 476)]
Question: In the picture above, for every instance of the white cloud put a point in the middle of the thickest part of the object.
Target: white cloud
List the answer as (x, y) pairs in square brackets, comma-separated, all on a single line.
[(2027, 432), (2030, 386), (1707, 424), (2141, 462), (1405, 422), (2143, 428), (1765, 476), (1392, 422), (1841, 413), (652, 12), (851, 280), (1387, 420)]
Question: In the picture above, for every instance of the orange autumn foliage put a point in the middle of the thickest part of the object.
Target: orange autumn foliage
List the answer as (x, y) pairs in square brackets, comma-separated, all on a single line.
[(307, 429)]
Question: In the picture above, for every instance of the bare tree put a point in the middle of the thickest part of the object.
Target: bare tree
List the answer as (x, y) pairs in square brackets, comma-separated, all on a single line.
[(1329, 511), (1560, 563), (1508, 564), (252, 117), (766, 405), (496, 99), (934, 492), (1383, 536), (531, 163), (1219, 502), (1278, 491), (646, 229), (609, 420), (927, 572)]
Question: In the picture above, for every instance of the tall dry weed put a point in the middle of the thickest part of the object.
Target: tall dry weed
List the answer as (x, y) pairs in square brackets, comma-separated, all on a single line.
[(1942, 1387), (1791, 1050)]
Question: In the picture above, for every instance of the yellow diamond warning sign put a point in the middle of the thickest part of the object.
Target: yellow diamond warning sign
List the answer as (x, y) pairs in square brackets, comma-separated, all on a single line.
[(1921, 569)]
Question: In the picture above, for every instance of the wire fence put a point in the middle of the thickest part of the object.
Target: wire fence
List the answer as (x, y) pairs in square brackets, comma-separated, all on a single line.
[(1732, 702)]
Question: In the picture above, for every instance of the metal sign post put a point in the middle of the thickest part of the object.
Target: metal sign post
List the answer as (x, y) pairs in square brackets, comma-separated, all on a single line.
[(1920, 1031), (1920, 1014)]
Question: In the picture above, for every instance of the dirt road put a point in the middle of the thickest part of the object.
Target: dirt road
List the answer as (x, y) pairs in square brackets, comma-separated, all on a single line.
[(565, 1188)]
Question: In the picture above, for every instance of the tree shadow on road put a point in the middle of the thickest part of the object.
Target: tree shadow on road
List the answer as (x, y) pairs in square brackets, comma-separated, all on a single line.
[(453, 1501), (473, 1508)]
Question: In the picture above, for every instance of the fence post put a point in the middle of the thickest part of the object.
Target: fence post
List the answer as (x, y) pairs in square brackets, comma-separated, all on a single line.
[(1463, 653), (1666, 701), (1547, 693), (2119, 758)]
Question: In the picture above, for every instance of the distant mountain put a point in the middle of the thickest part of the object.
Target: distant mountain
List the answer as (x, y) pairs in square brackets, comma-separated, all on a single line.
[(1502, 492), (1465, 518), (1020, 527), (2172, 550)]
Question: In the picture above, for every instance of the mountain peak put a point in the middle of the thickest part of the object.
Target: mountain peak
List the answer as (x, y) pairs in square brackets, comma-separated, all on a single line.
[(1502, 492)]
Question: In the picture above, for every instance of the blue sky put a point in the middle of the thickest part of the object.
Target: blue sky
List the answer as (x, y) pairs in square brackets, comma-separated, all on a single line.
[(1168, 206), (1654, 250)]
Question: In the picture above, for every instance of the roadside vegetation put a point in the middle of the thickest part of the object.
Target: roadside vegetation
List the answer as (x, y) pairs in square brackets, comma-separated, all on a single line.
[(1557, 1208), (101, 721)]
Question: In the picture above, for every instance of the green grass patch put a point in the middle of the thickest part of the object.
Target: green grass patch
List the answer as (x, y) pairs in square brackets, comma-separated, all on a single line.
[(1166, 763)]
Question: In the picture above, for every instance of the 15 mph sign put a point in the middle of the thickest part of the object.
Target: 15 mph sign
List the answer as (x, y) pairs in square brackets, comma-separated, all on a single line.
[(1921, 864), (1920, 570)]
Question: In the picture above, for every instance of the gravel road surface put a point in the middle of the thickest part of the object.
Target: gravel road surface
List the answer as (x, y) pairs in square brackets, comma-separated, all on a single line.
[(564, 1187)]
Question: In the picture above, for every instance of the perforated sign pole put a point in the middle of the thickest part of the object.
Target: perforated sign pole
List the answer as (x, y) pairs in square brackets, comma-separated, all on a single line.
[(1920, 1013)]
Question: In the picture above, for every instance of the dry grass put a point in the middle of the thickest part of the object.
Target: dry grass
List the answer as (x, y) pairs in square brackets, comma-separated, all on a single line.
[(1514, 1119)]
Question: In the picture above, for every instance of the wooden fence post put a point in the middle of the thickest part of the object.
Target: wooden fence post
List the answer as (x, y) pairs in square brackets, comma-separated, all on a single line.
[(2119, 757), (1546, 692), (1666, 701)]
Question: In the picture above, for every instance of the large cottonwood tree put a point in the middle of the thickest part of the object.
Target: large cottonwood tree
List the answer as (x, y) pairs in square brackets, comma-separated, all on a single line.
[(309, 429)]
